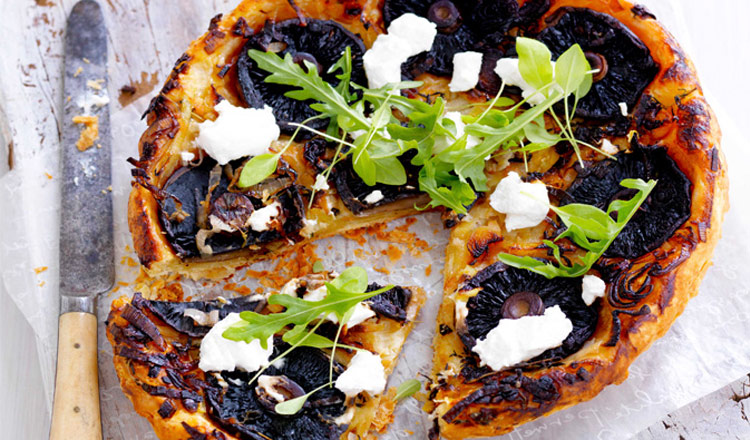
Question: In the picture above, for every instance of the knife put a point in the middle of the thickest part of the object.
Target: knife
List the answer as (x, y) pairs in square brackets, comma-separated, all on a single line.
[(86, 244)]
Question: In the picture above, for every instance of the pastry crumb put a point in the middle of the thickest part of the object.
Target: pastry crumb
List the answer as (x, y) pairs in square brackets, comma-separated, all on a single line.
[(40, 269), (89, 133), (95, 84), (77, 72)]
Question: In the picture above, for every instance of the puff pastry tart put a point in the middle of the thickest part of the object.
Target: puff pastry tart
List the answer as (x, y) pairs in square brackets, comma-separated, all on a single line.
[(567, 144), (184, 386)]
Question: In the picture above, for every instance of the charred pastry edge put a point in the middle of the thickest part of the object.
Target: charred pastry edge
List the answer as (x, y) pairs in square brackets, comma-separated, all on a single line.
[(169, 114), (376, 412), (644, 296)]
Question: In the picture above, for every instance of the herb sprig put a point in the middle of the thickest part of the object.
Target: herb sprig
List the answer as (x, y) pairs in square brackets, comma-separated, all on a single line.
[(588, 227), (387, 125)]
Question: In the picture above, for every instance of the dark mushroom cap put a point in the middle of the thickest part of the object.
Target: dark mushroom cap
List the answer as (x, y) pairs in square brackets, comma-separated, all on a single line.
[(239, 409), (665, 210), (630, 67), (318, 41), (189, 186), (498, 283)]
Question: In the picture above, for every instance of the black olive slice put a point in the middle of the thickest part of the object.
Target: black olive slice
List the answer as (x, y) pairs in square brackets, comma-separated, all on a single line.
[(663, 212), (183, 199), (522, 304), (445, 15), (236, 405), (626, 63), (319, 42), (501, 284)]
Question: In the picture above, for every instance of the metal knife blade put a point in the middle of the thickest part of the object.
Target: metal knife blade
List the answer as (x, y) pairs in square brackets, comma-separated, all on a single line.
[(86, 242)]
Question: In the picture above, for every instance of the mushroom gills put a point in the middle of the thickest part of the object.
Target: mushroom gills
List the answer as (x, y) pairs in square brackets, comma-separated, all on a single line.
[(510, 293), (664, 211), (319, 42), (244, 410), (625, 64)]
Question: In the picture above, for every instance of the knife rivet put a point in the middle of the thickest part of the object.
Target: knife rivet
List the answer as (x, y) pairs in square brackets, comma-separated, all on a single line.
[(76, 409), (76, 345)]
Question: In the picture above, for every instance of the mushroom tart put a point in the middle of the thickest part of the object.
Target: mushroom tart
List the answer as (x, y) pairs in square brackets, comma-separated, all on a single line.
[(181, 372), (567, 144)]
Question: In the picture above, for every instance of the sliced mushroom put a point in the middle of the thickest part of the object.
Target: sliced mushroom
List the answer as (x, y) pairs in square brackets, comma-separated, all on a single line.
[(509, 293), (624, 62), (315, 41), (665, 210)]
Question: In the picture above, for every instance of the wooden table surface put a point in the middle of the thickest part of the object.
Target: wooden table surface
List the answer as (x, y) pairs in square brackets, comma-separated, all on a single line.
[(720, 48)]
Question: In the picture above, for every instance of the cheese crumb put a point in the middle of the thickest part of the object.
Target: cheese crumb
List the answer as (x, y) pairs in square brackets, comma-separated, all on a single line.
[(624, 108), (361, 313), (466, 68), (507, 69), (518, 340), (187, 156), (260, 220), (525, 205), (609, 148), (321, 183), (218, 353), (238, 132), (593, 288), (374, 197), (364, 373), (407, 35)]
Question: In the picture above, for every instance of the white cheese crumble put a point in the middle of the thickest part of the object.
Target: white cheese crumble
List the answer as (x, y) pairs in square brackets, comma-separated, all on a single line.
[(443, 142), (220, 354), (609, 148), (507, 69), (361, 312), (623, 108), (524, 204), (321, 183), (407, 35), (517, 340), (374, 197), (187, 156), (466, 68), (238, 132), (593, 288), (364, 373), (260, 220)]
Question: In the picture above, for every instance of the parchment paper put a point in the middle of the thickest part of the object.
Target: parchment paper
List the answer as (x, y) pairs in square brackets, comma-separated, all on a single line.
[(705, 350)]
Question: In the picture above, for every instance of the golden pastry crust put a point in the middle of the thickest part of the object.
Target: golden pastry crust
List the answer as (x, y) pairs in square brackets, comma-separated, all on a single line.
[(627, 324), (378, 335)]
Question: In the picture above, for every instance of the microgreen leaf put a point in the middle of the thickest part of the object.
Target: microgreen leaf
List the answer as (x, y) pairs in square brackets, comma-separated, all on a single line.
[(590, 228), (318, 267), (534, 62), (293, 406), (571, 69), (407, 389), (258, 169)]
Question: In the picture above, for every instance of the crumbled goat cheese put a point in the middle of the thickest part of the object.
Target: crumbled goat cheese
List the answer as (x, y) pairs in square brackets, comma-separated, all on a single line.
[(321, 183), (524, 204), (218, 353), (624, 108), (609, 148), (517, 340), (364, 373), (408, 35), (374, 197), (593, 288), (507, 70), (238, 132), (466, 68), (187, 156), (260, 220), (361, 312), (443, 142)]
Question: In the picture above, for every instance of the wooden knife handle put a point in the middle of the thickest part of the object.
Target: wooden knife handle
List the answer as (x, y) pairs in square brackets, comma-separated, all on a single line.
[(75, 413)]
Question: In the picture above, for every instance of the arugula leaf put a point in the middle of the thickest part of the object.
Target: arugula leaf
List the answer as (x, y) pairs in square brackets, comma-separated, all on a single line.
[(342, 296), (589, 228), (407, 389)]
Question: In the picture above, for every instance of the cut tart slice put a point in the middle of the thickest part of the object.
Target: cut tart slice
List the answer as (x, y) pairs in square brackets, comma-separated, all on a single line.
[(527, 327), (162, 348)]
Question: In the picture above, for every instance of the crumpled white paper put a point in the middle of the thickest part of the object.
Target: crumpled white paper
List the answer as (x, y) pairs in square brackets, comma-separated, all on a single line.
[(705, 349)]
